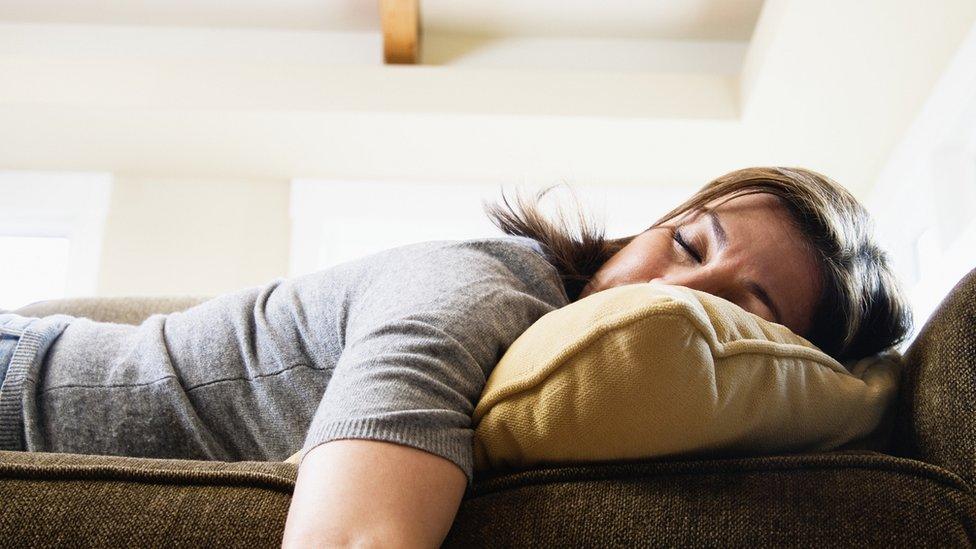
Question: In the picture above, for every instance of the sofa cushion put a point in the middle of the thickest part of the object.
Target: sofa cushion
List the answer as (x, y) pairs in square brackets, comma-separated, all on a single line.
[(71, 500), (830, 500), (652, 370), (936, 417)]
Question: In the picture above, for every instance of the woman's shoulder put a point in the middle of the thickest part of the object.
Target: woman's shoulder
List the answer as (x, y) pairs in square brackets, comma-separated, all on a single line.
[(521, 255), (506, 245), (512, 260), (523, 258), (518, 242), (508, 249)]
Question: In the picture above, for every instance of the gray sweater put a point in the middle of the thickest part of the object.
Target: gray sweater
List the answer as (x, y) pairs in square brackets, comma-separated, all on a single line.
[(395, 346)]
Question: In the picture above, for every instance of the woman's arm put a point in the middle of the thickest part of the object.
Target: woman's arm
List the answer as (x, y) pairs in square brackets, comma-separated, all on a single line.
[(421, 328), (368, 493)]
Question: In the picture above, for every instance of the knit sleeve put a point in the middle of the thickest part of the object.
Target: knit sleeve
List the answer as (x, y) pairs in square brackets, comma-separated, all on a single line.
[(421, 340)]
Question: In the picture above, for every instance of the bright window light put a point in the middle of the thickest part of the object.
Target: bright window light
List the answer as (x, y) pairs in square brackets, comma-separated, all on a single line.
[(40, 214), (34, 269)]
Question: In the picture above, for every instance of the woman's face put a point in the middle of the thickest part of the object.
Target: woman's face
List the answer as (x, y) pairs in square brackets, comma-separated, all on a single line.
[(744, 250)]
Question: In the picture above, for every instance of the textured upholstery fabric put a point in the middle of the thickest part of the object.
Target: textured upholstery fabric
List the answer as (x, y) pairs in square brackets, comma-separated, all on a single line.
[(655, 370), (827, 500), (936, 419), (862, 499), (69, 500)]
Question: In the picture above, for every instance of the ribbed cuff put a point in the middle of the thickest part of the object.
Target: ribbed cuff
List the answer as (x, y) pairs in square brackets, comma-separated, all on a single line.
[(451, 443), (34, 337)]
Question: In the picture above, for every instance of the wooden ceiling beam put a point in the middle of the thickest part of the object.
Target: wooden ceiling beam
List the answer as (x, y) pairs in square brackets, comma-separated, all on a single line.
[(401, 31)]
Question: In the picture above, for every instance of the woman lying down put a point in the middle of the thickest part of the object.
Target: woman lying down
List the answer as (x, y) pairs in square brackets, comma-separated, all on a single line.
[(372, 368)]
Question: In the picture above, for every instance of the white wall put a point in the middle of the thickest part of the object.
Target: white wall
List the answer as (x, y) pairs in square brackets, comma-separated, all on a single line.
[(925, 199), (191, 236), (336, 221)]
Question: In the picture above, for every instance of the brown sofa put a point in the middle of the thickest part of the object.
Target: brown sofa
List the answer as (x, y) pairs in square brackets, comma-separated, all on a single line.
[(916, 492)]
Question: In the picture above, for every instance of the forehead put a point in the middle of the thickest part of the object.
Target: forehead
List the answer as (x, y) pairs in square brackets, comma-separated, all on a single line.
[(754, 201), (764, 245), (761, 215)]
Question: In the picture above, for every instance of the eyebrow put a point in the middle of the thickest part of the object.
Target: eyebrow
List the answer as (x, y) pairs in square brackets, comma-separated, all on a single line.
[(720, 235), (752, 285)]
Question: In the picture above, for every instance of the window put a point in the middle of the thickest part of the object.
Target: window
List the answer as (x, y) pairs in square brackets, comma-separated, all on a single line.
[(51, 227), (37, 269)]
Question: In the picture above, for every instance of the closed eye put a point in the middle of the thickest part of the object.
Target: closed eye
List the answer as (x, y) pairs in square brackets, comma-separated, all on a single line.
[(680, 239)]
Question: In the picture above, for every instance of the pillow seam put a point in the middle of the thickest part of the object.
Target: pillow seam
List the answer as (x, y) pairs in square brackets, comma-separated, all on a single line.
[(676, 309)]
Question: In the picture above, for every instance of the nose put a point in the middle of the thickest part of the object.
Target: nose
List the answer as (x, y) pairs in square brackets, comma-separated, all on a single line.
[(712, 282)]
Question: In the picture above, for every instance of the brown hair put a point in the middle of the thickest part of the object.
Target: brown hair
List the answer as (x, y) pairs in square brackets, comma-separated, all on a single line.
[(861, 310)]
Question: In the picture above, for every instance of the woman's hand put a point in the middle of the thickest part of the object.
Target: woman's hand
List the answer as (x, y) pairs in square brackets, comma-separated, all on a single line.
[(367, 493)]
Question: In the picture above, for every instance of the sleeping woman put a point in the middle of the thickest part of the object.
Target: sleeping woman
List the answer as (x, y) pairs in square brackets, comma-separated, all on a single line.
[(372, 368)]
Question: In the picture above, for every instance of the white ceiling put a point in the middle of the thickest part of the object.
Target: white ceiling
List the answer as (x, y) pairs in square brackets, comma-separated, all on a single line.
[(645, 19), (826, 85)]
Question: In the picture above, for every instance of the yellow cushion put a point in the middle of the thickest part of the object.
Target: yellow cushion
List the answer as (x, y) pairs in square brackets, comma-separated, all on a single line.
[(652, 370)]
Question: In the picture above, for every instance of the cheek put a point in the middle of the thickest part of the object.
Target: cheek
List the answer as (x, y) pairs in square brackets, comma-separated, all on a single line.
[(643, 262)]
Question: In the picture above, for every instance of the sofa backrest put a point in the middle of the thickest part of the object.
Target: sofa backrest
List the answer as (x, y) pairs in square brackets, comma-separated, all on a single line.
[(122, 310), (935, 417)]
